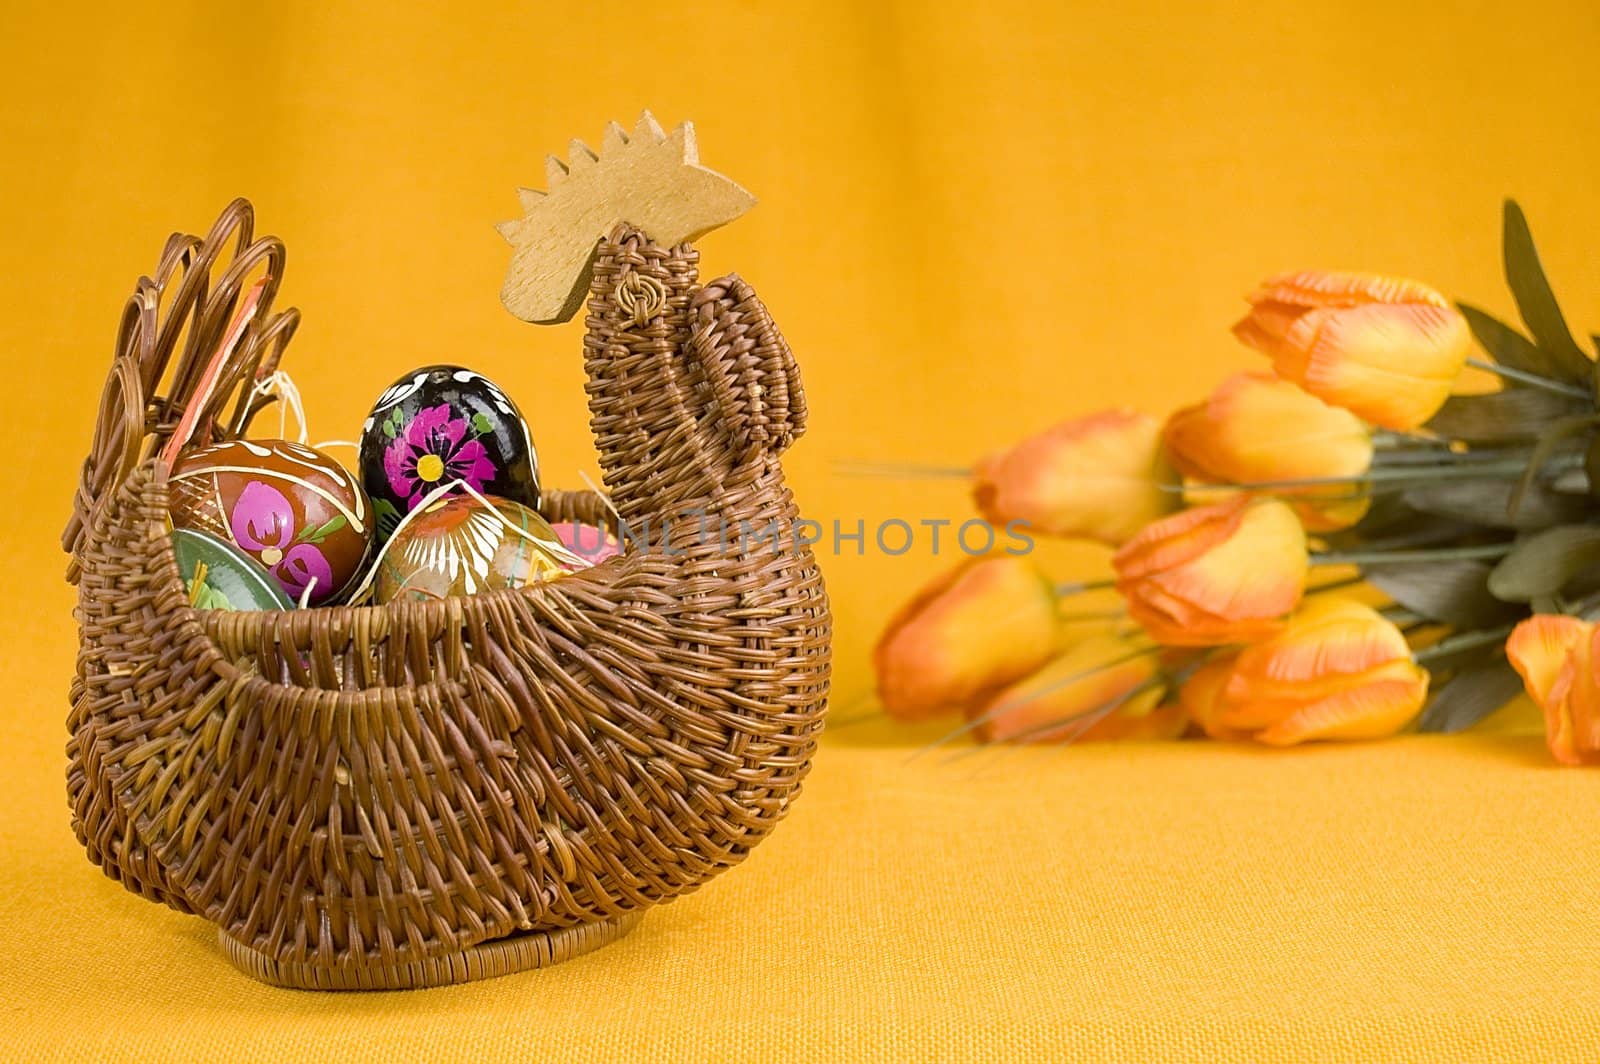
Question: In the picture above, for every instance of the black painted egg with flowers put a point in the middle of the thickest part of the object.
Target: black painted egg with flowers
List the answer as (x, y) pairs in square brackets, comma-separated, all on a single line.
[(443, 425)]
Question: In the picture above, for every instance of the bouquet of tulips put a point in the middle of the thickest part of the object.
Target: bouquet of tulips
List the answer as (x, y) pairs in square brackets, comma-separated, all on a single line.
[(1335, 548)]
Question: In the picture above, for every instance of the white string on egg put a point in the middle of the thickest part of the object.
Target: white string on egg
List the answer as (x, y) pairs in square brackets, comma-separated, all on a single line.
[(552, 547)]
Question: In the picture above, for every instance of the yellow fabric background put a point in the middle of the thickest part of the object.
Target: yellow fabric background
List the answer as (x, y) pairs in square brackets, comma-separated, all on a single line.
[(975, 219), (1419, 900)]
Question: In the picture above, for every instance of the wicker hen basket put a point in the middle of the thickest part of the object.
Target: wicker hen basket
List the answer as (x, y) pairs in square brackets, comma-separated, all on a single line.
[(423, 793)]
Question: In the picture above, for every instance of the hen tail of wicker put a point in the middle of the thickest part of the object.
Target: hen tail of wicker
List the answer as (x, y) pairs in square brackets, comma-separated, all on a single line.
[(430, 792)]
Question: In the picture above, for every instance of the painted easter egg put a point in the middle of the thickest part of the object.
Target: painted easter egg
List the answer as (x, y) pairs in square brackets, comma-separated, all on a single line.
[(290, 507), (438, 425), (594, 545), (219, 576), (458, 546)]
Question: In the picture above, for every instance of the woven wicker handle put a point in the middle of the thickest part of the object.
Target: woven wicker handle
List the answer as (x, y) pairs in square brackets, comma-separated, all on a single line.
[(197, 285)]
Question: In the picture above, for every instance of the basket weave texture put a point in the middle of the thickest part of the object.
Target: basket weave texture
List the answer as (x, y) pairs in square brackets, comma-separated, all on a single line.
[(429, 792)]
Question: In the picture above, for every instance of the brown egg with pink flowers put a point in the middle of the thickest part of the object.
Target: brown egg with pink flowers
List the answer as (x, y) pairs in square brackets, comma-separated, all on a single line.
[(291, 507)]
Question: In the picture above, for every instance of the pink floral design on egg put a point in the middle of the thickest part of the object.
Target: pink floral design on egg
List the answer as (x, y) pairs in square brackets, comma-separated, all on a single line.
[(432, 449), (262, 521), (305, 566)]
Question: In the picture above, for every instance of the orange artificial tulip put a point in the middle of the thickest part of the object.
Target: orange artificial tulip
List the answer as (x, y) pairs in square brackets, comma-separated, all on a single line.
[(1201, 698), (1338, 670), (978, 627), (1258, 428), (1099, 476), (1093, 691), (1385, 348), (1556, 657), (1226, 573)]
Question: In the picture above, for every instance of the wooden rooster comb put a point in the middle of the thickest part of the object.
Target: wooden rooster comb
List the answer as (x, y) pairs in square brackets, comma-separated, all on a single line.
[(649, 179)]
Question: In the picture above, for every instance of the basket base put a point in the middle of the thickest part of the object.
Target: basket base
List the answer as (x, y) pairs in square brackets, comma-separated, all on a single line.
[(502, 956)]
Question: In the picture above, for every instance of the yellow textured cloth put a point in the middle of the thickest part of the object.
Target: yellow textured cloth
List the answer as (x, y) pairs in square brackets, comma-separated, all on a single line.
[(1427, 899)]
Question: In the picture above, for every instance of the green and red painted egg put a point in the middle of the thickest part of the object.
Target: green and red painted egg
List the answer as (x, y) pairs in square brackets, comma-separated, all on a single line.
[(292, 508), (219, 576)]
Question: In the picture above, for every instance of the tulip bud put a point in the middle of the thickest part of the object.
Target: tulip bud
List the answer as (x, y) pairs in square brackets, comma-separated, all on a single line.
[(1093, 691), (1227, 573), (1557, 657), (1201, 698), (980, 626), (1257, 427), (1338, 670), (1385, 348), (1099, 476)]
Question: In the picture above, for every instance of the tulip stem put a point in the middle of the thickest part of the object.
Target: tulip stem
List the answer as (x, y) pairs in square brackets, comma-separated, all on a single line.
[(1458, 644), (1505, 469), (1416, 539), (1080, 722), (1078, 587), (1411, 456), (1075, 616), (1008, 706), (1335, 585), (1439, 456), (907, 470), (1403, 618), (1392, 440), (1533, 380), (1406, 557)]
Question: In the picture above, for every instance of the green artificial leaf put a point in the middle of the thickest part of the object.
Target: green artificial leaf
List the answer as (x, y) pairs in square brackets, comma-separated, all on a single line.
[(1454, 592), (207, 597), (1544, 562), (1423, 530), (1471, 695), (388, 430), (1507, 346), (1509, 416), (1392, 523), (1536, 302), (1388, 514), (1584, 585), (1487, 503), (481, 425), (1559, 432)]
